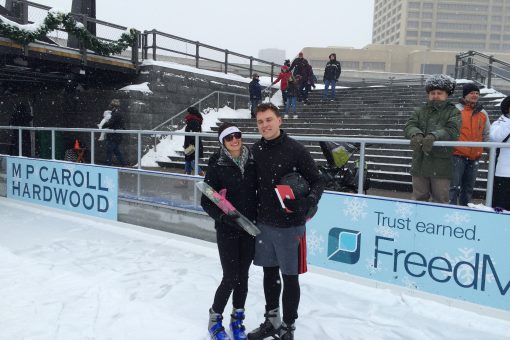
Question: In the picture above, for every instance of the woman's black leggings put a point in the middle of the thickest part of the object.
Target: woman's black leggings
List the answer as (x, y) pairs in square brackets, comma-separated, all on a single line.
[(291, 293), (236, 250)]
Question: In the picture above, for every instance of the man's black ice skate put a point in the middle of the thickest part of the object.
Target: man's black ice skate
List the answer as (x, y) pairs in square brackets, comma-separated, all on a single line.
[(269, 328), (287, 331)]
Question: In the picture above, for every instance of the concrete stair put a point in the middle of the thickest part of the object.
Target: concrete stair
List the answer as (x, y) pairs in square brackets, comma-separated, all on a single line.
[(379, 112)]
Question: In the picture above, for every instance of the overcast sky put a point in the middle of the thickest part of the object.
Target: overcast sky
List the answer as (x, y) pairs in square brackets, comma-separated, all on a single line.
[(246, 26)]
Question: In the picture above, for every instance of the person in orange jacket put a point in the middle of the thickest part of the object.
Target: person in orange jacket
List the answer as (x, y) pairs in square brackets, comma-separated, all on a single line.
[(475, 127)]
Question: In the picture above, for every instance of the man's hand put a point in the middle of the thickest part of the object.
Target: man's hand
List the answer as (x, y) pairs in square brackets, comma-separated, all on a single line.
[(230, 219), (299, 205), (416, 142), (427, 142)]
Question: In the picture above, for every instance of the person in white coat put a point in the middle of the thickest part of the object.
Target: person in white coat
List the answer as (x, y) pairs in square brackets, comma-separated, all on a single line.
[(500, 132)]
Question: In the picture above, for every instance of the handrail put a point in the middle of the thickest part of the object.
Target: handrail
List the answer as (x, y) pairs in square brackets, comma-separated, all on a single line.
[(135, 47), (492, 146), (95, 20), (472, 53), (198, 103), (146, 46), (36, 5), (483, 70), (390, 81), (171, 36)]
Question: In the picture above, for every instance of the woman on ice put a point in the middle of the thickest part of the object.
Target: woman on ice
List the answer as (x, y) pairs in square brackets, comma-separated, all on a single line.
[(231, 171)]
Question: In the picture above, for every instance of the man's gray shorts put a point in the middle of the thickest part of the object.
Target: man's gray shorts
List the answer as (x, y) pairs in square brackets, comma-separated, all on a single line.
[(281, 247)]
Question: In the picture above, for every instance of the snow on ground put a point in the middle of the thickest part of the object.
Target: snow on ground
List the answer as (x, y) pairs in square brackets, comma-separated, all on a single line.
[(71, 277), (171, 145), (143, 87), (491, 93), (264, 81)]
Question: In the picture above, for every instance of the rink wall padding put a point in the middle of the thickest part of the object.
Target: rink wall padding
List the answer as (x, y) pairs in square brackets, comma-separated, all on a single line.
[(74, 187), (191, 223), (453, 252), (94, 190), (449, 252)]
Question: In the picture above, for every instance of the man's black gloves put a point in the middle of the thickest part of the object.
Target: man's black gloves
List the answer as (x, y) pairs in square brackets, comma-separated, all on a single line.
[(428, 141), (230, 219), (416, 142), (300, 205)]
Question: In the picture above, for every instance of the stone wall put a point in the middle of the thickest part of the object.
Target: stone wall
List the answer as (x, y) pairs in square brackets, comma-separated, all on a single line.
[(62, 105)]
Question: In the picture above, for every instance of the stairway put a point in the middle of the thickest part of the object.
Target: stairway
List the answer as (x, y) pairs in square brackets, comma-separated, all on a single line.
[(379, 112)]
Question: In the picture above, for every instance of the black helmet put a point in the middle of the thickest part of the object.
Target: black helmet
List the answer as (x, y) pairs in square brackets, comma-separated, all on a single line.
[(300, 187), (297, 182)]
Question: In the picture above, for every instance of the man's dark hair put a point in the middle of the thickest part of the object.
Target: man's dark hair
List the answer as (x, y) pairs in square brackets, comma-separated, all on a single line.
[(268, 106), (194, 111)]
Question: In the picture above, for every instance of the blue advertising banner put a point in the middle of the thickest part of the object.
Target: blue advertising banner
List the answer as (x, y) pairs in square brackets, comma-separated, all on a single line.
[(75, 187), (451, 251)]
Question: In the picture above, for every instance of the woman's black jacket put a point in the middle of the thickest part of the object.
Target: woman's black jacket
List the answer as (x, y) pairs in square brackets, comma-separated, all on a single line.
[(222, 173)]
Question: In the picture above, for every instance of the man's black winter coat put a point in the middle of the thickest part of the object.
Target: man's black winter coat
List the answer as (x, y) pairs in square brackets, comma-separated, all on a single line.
[(333, 70), (116, 122), (274, 159), (255, 90)]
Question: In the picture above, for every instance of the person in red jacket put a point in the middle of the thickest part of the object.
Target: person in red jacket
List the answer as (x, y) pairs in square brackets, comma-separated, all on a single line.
[(475, 127), (284, 78)]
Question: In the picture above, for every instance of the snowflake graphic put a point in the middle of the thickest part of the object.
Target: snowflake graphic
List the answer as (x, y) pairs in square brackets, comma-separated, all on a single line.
[(315, 243), (404, 210), (457, 218), (408, 283), (386, 231), (369, 265), (355, 208), (465, 273)]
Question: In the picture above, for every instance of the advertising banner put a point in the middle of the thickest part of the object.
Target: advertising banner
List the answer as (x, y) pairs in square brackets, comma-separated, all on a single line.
[(74, 187), (456, 252)]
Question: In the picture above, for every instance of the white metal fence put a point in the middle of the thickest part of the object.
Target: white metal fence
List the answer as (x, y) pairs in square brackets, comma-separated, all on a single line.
[(363, 142)]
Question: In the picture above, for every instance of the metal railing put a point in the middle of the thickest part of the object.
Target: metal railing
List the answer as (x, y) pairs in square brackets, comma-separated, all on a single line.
[(481, 68), (419, 80), (363, 142), (200, 52), (159, 42), (25, 18), (215, 96)]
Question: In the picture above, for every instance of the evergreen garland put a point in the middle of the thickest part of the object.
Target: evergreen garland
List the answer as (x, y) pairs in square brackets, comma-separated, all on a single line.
[(53, 20)]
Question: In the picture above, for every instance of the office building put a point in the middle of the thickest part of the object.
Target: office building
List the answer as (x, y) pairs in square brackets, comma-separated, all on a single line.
[(455, 25)]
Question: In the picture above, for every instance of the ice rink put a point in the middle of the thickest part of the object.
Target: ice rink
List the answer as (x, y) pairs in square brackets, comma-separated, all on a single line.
[(65, 276)]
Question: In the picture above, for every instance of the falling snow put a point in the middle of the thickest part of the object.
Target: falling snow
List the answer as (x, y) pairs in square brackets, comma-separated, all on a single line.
[(109, 183), (408, 283), (386, 231), (369, 265)]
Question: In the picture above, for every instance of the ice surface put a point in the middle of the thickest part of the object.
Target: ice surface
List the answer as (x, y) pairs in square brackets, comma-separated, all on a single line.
[(67, 277)]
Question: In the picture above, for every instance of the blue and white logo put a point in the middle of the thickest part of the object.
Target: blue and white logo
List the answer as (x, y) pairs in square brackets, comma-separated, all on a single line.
[(344, 245)]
